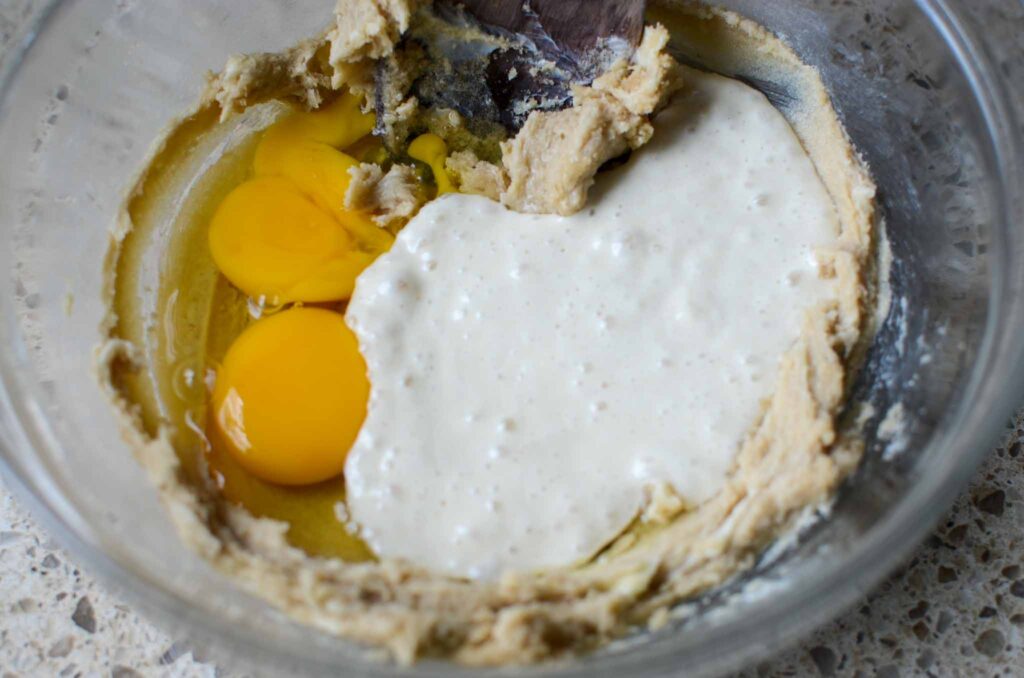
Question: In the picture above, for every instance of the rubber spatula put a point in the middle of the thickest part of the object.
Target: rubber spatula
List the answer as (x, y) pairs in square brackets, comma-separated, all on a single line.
[(499, 60)]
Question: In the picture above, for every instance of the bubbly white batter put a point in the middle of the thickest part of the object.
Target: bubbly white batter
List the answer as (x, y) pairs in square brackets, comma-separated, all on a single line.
[(532, 376)]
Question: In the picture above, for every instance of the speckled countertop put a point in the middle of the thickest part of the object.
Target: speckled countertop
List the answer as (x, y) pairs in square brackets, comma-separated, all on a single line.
[(955, 609)]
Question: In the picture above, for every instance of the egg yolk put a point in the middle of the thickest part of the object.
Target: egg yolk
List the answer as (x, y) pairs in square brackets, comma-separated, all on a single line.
[(431, 149), (291, 396), (285, 235), (291, 249)]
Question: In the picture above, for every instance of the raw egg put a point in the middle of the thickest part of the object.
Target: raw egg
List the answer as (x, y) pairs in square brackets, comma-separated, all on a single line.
[(431, 149), (291, 396), (285, 235), (272, 241)]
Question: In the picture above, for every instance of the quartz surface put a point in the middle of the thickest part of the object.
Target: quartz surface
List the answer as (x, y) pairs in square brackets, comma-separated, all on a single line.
[(956, 608)]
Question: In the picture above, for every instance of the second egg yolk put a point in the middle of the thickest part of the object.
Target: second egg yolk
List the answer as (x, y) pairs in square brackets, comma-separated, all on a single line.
[(291, 396), (285, 235)]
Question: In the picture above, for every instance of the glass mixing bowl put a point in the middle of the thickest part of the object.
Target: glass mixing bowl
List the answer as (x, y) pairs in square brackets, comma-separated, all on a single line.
[(88, 86)]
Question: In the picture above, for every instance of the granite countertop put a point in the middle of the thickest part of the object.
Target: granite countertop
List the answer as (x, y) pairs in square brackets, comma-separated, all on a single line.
[(955, 608)]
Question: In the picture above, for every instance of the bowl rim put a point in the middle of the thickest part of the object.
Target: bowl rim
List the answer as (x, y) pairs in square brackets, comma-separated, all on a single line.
[(779, 621)]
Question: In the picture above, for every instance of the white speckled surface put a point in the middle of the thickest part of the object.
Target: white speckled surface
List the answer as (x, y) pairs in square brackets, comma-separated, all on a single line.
[(57, 621), (955, 609)]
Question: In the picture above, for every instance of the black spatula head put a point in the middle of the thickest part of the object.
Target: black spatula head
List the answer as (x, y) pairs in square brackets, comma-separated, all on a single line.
[(498, 60)]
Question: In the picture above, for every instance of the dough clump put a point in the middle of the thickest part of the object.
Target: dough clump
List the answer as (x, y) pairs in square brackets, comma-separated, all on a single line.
[(250, 79), (365, 31), (392, 198), (476, 176), (552, 162)]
